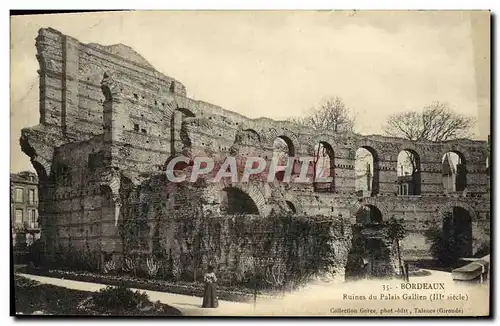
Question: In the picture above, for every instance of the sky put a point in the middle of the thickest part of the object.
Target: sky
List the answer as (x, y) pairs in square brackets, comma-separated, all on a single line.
[(279, 64)]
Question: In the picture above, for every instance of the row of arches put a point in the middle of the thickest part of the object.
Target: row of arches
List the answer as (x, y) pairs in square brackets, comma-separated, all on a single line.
[(235, 201), (456, 221), (372, 256), (454, 172), (453, 167)]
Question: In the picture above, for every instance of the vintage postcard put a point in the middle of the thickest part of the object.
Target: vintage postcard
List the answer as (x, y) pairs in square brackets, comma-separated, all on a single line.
[(251, 163)]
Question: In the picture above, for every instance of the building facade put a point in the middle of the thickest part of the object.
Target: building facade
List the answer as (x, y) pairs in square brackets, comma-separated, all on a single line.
[(110, 124), (24, 208)]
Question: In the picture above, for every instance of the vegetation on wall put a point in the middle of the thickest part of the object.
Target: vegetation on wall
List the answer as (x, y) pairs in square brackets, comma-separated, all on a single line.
[(446, 243), (396, 232), (76, 258), (247, 250), (371, 253), (176, 234)]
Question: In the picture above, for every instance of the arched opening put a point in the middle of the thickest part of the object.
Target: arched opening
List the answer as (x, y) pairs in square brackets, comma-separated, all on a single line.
[(282, 149), (369, 256), (369, 214), (324, 167), (457, 228), (291, 206), (366, 169), (177, 134), (454, 172), (408, 173), (235, 201), (377, 259), (252, 135)]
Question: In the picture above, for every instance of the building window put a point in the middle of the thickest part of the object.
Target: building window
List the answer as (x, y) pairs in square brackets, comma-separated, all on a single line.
[(33, 223), (31, 196), (19, 216), (19, 195), (404, 189)]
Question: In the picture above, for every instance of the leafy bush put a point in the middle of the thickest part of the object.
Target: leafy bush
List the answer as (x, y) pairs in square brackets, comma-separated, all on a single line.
[(396, 231), (118, 297), (36, 253), (445, 248), (22, 282), (153, 267), (32, 296), (446, 243), (109, 267), (483, 250), (131, 265), (75, 258), (296, 248), (231, 293)]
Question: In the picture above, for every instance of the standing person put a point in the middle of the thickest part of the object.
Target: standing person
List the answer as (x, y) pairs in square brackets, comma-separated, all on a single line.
[(407, 272), (365, 268), (210, 296)]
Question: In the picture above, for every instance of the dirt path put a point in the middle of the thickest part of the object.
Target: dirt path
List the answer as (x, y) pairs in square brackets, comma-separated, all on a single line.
[(188, 305), (321, 299)]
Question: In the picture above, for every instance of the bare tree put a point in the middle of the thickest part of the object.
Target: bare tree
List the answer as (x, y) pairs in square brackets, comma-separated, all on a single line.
[(437, 122), (331, 114)]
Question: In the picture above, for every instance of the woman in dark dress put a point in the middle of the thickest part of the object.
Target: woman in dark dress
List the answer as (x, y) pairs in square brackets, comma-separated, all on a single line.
[(210, 295)]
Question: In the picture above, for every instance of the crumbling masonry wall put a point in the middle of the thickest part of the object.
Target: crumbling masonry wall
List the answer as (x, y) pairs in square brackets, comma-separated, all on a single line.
[(175, 224), (106, 115)]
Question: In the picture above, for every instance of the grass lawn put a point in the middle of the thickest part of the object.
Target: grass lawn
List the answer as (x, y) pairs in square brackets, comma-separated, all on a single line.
[(35, 297)]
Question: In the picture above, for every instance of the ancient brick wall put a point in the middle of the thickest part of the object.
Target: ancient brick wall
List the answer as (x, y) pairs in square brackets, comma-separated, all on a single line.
[(176, 225), (109, 120)]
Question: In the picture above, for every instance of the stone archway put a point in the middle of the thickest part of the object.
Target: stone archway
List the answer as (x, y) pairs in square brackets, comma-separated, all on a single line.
[(455, 203), (408, 172), (369, 201), (297, 206), (454, 171), (238, 202), (324, 166), (371, 254), (457, 222), (251, 132), (367, 170), (368, 215), (270, 135), (251, 190)]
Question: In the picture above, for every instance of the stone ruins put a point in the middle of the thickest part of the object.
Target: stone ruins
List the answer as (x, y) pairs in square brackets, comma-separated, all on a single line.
[(109, 124)]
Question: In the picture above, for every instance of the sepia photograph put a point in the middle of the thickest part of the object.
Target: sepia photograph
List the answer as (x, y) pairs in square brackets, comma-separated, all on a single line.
[(289, 163)]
